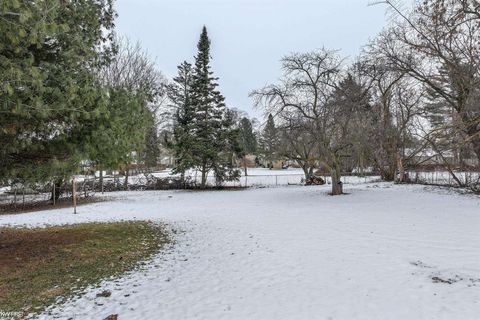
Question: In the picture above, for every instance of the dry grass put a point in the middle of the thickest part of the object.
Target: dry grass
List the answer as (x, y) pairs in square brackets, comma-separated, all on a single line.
[(37, 266)]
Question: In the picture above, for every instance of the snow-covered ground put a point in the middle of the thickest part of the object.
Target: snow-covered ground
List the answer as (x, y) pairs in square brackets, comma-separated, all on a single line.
[(381, 252)]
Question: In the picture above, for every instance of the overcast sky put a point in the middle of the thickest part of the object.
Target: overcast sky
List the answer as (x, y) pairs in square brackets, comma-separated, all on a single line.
[(249, 37)]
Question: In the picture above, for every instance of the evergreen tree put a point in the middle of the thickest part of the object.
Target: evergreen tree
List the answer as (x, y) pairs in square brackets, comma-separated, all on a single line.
[(270, 140), (247, 140), (152, 147), (212, 126), (179, 93), (50, 96)]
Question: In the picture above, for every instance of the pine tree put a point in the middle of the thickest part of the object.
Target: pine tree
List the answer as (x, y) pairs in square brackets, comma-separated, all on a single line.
[(270, 140), (179, 93), (49, 95), (247, 140), (212, 127)]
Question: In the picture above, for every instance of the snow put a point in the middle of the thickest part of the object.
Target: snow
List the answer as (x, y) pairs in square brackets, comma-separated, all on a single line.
[(292, 253)]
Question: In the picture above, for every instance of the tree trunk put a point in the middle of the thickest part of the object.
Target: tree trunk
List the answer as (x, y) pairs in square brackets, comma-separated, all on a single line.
[(389, 171), (306, 173), (56, 191), (101, 180), (360, 170), (204, 177), (125, 183), (401, 171), (182, 177), (337, 186), (245, 165), (310, 171)]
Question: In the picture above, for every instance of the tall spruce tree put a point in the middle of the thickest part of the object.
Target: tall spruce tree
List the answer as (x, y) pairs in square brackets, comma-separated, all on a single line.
[(215, 140)]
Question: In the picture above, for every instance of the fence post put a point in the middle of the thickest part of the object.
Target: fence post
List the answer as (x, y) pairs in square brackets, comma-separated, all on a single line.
[(54, 193), (74, 195), (276, 180)]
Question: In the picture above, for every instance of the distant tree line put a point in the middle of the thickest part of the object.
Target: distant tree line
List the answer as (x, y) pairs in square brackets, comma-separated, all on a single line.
[(411, 96), (72, 94)]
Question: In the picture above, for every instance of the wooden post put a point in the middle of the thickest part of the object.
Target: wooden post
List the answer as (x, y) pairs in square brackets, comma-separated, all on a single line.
[(74, 195), (15, 198), (54, 187)]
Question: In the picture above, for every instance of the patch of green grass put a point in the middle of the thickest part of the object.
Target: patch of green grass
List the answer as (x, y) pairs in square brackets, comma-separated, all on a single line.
[(37, 266)]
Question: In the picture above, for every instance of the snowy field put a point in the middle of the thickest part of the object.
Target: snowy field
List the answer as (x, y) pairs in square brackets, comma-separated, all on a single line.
[(381, 252)]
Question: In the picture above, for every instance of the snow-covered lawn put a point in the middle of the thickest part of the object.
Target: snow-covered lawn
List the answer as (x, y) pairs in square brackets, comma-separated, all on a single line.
[(381, 252)]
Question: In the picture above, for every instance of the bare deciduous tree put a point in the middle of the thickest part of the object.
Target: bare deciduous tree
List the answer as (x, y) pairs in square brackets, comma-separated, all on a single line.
[(312, 90), (440, 44)]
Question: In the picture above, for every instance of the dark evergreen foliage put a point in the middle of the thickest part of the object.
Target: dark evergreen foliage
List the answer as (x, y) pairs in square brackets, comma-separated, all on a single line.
[(204, 135)]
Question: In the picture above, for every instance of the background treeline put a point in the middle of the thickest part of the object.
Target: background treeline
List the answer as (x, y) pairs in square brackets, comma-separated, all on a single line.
[(74, 98), (410, 101)]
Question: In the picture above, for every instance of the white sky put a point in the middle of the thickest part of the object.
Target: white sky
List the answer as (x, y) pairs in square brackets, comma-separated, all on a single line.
[(248, 37)]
